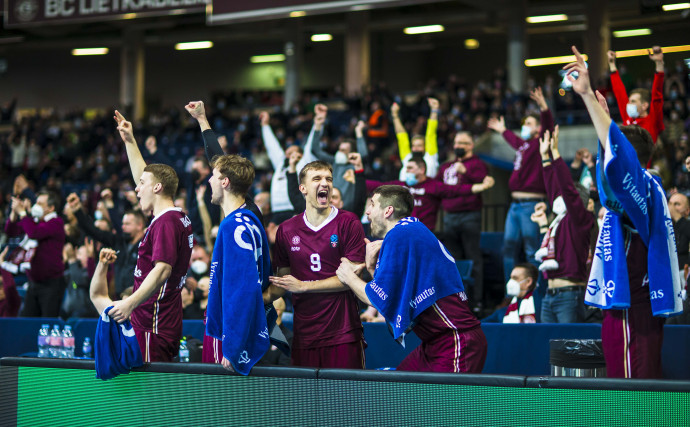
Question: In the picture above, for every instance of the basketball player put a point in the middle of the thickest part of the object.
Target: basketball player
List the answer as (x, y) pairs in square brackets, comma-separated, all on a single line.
[(327, 329), (155, 306)]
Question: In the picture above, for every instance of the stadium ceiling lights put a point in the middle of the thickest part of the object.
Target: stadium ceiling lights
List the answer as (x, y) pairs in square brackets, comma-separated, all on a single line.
[(259, 59), (90, 51), (297, 14), (194, 45), (321, 37), (471, 44), (675, 6), (424, 29), (632, 33), (645, 52), (619, 54), (546, 18), (552, 60)]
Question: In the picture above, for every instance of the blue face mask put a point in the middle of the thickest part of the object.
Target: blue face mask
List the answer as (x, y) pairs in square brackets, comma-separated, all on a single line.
[(411, 179), (525, 132)]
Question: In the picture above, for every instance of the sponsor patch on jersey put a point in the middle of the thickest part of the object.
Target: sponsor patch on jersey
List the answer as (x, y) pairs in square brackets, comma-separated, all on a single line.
[(334, 240)]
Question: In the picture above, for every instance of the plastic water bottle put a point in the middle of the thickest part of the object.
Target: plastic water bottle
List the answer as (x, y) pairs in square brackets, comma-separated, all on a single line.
[(43, 344), (67, 343), (55, 349), (86, 348), (184, 351)]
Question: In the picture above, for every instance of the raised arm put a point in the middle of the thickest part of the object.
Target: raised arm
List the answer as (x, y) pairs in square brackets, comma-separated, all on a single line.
[(314, 140), (431, 139), (361, 142), (581, 86), (360, 199), (499, 126), (98, 291), (400, 133), (656, 107), (136, 161), (617, 85), (211, 146), (273, 148), (296, 197)]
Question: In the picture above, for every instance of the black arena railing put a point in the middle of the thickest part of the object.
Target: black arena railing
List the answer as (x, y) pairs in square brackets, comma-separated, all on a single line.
[(65, 392)]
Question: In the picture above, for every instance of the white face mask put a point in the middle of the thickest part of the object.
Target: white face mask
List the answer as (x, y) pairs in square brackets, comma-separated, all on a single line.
[(526, 132), (513, 288), (631, 109), (199, 267), (37, 211), (98, 215), (559, 206), (340, 157)]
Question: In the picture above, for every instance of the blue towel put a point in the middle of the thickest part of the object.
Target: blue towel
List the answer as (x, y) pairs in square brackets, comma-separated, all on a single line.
[(117, 349), (626, 188), (236, 314), (414, 270)]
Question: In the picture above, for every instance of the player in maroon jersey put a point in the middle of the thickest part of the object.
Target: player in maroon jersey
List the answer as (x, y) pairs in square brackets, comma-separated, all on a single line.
[(416, 286), (308, 250), (155, 307)]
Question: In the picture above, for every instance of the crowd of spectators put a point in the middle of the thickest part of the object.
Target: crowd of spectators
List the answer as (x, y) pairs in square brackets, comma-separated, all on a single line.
[(73, 163)]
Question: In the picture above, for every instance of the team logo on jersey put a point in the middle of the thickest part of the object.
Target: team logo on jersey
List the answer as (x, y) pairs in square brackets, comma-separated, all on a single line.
[(334, 240), (295, 240)]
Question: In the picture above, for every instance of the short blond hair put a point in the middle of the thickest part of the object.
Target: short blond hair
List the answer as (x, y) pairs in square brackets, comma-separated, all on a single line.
[(166, 176), (314, 166)]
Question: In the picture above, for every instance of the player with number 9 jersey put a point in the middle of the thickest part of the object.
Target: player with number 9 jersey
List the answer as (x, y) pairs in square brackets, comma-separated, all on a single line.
[(323, 319)]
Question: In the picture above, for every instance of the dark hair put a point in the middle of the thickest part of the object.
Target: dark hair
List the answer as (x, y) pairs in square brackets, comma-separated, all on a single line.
[(52, 200), (641, 141), (315, 166), (351, 143), (419, 162), (397, 196), (237, 169), (166, 176), (204, 162), (532, 272), (644, 94), (138, 214)]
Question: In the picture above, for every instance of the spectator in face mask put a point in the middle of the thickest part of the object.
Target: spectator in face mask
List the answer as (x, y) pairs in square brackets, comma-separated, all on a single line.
[(199, 263), (525, 303), (46, 283), (462, 222), (423, 147), (526, 183), (642, 108)]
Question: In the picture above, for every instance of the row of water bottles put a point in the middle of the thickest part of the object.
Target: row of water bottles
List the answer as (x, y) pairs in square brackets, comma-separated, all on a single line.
[(58, 343)]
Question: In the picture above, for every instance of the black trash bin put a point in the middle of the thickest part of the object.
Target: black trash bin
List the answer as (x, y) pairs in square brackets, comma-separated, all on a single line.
[(577, 358)]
